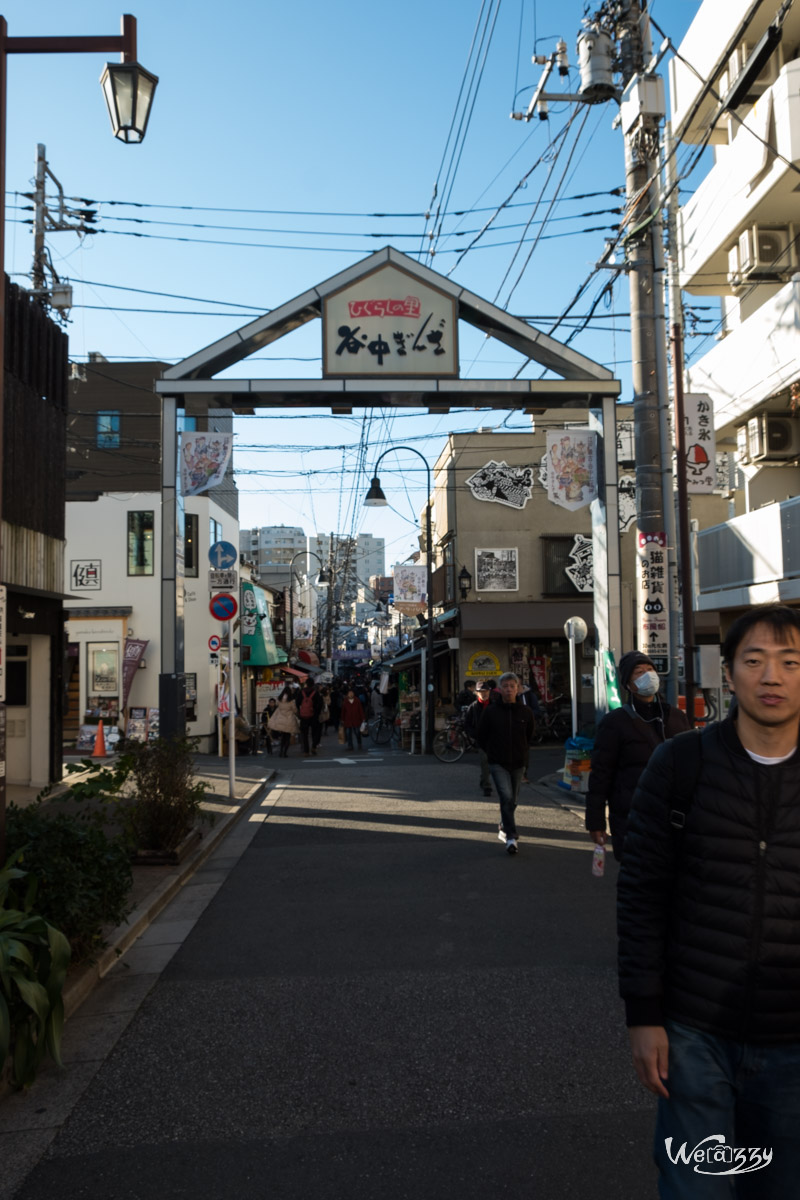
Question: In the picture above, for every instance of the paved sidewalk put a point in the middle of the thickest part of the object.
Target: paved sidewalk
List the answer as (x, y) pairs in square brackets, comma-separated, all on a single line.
[(359, 995)]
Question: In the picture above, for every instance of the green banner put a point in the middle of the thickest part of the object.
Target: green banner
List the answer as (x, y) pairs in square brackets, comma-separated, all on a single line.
[(612, 686), (256, 629)]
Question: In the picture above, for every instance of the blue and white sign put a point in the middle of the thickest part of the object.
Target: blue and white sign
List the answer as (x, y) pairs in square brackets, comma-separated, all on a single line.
[(223, 555)]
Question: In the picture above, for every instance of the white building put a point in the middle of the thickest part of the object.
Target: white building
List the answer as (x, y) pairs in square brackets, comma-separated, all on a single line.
[(271, 545), (738, 234)]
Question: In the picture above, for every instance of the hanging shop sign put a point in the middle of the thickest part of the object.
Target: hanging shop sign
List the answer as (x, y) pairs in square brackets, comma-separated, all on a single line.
[(498, 483), (483, 665), (579, 572), (410, 589), (652, 599), (389, 323), (571, 467), (256, 630), (700, 462), (204, 459)]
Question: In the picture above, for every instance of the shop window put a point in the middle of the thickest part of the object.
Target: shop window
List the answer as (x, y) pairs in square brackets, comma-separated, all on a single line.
[(108, 430), (141, 541), (17, 676), (191, 556), (556, 558)]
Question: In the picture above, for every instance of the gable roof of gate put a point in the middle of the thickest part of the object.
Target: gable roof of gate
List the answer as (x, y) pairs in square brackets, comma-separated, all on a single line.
[(487, 317)]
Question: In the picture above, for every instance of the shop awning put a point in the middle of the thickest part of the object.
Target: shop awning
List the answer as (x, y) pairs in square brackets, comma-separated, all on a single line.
[(413, 655), (522, 619), (292, 671)]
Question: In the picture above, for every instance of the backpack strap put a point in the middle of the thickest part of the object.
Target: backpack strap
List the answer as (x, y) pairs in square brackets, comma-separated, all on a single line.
[(691, 745)]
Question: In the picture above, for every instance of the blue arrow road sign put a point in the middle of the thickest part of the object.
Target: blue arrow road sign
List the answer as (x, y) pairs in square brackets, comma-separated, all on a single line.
[(223, 555)]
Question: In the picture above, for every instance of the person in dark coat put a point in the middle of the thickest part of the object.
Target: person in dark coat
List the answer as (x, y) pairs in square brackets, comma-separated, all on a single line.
[(708, 916), (352, 717), (472, 719), (466, 696), (309, 709), (626, 737), (504, 732)]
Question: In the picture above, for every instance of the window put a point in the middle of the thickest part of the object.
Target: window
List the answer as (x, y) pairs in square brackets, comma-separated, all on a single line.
[(214, 531), (187, 424), (140, 543), (108, 430), (191, 549), (556, 558)]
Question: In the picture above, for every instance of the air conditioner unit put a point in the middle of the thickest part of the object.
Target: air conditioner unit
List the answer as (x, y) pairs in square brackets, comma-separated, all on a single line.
[(742, 446), (777, 440), (765, 253)]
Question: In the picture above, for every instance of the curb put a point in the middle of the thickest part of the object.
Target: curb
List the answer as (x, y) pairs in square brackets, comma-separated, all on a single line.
[(79, 988)]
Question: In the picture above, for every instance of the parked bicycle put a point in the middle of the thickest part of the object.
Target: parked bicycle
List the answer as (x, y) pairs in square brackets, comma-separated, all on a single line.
[(383, 730), (451, 743), (553, 723)]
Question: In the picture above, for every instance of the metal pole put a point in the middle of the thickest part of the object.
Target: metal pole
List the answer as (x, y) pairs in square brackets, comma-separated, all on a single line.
[(430, 713), (231, 717), (573, 686), (687, 596)]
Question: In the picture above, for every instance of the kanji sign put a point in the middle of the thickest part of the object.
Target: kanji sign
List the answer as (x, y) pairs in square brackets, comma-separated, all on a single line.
[(223, 606), (389, 323), (653, 608), (700, 462)]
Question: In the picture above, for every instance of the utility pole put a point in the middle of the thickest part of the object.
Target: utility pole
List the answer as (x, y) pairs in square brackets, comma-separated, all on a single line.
[(55, 293)]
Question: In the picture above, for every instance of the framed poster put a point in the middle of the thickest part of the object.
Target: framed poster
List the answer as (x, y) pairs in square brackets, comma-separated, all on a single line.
[(103, 667), (496, 570)]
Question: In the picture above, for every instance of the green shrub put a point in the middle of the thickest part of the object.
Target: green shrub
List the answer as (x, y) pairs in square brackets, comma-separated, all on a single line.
[(166, 801), (84, 876), (34, 957)]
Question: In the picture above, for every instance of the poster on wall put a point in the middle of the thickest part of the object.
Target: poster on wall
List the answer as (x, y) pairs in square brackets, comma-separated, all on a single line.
[(136, 728), (498, 483), (571, 467), (302, 629), (540, 672), (496, 570)]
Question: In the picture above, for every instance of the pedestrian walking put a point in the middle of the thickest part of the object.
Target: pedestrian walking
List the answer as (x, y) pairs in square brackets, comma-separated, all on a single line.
[(708, 920), (472, 719), (504, 732), (467, 696), (352, 718), (309, 709), (626, 738), (284, 721)]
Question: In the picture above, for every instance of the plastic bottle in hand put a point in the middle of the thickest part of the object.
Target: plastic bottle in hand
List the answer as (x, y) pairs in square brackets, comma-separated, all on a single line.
[(599, 861)]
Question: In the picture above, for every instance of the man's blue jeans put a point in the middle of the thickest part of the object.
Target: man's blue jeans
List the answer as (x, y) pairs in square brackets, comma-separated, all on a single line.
[(748, 1094), (508, 784)]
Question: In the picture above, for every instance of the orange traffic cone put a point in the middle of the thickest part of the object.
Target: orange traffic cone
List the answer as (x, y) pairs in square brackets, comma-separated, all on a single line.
[(99, 743)]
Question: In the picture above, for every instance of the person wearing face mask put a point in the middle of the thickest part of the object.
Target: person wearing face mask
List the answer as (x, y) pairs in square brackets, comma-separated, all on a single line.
[(626, 737)]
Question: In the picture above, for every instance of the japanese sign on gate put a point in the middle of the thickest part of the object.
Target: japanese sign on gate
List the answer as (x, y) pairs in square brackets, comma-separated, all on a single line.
[(653, 608), (389, 323), (700, 464)]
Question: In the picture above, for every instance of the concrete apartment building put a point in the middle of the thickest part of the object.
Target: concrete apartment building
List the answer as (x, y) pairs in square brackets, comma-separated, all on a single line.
[(738, 241)]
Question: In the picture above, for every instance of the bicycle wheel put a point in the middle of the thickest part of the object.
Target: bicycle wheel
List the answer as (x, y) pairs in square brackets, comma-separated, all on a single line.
[(448, 745), (382, 733)]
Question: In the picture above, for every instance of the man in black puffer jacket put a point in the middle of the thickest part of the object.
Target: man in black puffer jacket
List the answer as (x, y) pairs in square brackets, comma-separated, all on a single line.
[(504, 733), (709, 929), (626, 737)]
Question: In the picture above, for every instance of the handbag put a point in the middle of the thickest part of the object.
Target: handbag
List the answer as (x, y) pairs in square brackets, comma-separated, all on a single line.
[(364, 727)]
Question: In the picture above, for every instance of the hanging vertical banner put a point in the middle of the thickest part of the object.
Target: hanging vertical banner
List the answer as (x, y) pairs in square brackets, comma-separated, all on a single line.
[(651, 549), (410, 589), (613, 698), (204, 459), (571, 467), (698, 422), (131, 656)]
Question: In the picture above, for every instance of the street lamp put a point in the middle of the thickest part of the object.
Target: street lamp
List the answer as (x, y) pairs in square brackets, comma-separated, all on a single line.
[(464, 582), (374, 499), (323, 579), (131, 94)]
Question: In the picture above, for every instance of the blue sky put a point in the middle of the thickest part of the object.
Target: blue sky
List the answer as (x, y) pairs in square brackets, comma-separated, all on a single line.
[(303, 113)]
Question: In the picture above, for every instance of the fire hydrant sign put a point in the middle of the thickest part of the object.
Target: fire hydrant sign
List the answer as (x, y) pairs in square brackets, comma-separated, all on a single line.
[(653, 610)]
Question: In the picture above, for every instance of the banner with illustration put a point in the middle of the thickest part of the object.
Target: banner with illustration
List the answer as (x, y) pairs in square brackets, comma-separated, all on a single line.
[(258, 639), (571, 467), (204, 458), (410, 590)]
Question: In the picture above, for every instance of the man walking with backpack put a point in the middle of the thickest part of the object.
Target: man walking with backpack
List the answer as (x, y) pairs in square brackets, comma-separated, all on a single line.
[(709, 921)]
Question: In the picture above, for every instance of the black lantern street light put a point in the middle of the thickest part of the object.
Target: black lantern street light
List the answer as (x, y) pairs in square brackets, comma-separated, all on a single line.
[(323, 579), (464, 582), (129, 90), (374, 498)]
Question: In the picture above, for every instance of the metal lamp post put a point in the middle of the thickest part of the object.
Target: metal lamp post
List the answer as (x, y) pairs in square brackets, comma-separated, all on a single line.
[(129, 88), (322, 581), (375, 498)]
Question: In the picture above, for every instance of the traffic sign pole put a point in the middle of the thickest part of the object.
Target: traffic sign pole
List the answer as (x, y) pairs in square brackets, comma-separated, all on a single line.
[(231, 718)]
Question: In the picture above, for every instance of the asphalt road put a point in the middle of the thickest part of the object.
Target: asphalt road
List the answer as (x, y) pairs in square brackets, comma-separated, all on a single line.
[(363, 996)]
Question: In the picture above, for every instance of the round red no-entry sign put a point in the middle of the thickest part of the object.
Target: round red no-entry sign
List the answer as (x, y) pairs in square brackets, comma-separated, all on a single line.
[(223, 606)]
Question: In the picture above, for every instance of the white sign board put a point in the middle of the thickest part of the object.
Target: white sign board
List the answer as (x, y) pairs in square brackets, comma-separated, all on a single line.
[(389, 323), (224, 580), (700, 462), (653, 609)]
